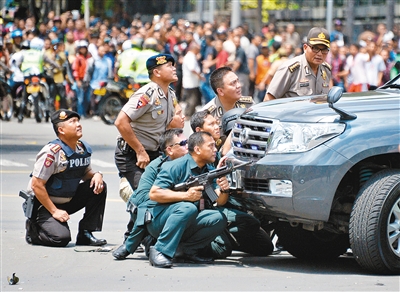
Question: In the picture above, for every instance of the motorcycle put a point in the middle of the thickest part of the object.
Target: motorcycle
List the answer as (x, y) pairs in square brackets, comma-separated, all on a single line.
[(35, 97), (7, 102), (112, 95)]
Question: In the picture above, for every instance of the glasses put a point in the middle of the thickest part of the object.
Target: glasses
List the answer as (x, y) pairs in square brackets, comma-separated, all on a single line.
[(182, 143), (317, 50)]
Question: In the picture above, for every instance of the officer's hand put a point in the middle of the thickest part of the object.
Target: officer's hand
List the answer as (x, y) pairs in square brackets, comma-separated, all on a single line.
[(143, 159), (223, 183), (97, 183), (222, 162), (194, 193), (61, 215)]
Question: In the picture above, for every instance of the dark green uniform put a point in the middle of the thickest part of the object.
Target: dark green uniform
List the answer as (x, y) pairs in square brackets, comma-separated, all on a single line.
[(181, 223), (139, 199)]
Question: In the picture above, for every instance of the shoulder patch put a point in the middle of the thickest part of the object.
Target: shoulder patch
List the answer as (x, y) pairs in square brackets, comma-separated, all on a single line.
[(49, 160), (211, 109), (246, 99), (149, 92), (294, 67), (55, 148), (327, 66), (143, 100)]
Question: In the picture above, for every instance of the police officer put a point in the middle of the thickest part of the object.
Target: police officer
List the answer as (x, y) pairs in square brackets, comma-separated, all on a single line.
[(243, 232), (55, 182), (176, 220), (144, 118), (226, 85), (306, 74), (173, 143)]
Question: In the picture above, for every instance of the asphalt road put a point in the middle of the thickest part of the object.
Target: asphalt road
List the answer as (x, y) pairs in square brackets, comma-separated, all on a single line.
[(70, 268)]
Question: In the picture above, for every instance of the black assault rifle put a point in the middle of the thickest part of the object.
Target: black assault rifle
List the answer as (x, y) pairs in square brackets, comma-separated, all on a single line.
[(207, 179)]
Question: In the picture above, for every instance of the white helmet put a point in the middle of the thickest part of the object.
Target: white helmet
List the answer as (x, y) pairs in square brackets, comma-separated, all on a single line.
[(37, 44), (83, 44), (126, 45)]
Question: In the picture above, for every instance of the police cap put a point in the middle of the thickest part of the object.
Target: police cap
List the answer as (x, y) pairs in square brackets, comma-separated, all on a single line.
[(63, 115), (158, 60), (229, 119), (318, 36)]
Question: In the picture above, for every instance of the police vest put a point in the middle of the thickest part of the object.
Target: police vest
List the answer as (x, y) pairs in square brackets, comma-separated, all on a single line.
[(32, 59), (126, 66), (65, 184)]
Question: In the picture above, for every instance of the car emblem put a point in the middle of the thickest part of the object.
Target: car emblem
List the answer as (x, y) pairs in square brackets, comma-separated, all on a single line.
[(244, 136)]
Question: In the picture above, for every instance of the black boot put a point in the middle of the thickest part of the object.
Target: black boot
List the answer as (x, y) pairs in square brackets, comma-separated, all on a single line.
[(86, 237)]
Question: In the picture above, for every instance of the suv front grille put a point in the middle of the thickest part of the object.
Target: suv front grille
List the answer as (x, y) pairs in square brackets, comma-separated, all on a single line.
[(256, 185), (250, 136)]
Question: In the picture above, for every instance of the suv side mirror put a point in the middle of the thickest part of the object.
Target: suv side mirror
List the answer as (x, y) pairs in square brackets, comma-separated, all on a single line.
[(334, 94)]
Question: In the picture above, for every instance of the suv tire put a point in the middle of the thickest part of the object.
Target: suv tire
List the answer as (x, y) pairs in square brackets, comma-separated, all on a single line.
[(375, 223)]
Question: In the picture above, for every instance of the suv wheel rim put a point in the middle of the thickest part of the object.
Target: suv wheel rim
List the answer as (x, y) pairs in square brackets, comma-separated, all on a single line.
[(393, 231)]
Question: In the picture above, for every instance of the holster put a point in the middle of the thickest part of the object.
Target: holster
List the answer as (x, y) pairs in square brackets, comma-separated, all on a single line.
[(123, 146), (27, 206)]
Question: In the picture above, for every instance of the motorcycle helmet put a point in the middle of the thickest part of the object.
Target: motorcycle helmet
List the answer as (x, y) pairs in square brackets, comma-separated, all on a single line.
[(83, 44), (126, 45), (25, 45), (137, 42), (229, 119), (16, 33), (37, 44), (150, 43)]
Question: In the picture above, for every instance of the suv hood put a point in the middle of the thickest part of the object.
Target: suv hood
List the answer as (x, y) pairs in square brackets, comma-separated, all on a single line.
[(316, 108)]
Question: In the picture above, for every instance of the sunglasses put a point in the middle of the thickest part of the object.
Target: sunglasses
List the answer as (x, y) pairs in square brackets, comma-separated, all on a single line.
[(182, 143), (317, 50)]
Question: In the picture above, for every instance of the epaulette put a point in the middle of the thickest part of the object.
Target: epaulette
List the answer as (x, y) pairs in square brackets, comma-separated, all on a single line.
[(55, 148), (327, 66), (211, 109), (175, 101), (294, 67), (246, 99)]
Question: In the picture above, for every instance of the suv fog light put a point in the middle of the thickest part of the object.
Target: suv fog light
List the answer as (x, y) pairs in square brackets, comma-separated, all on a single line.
[(281, 188)]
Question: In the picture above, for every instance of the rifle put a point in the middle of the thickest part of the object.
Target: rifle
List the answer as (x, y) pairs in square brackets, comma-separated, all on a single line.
[(27, 206), (207, 179)]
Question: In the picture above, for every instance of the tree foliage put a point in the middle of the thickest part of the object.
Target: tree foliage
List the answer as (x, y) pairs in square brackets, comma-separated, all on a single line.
[(269, 5)]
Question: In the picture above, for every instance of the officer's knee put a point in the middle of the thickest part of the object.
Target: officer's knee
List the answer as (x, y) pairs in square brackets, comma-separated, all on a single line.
[(187, 210)]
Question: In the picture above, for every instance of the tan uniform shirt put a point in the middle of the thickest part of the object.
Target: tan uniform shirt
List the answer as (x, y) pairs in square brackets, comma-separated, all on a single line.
[(150, 111), (296, 78), (51, 160), (215, 108)]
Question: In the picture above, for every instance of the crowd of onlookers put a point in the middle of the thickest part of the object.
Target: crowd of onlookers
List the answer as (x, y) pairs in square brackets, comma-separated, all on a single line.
[(200, 48)]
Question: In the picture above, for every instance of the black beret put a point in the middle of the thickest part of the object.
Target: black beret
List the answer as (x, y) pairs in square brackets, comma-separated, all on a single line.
[(158, 60), (63, 115)]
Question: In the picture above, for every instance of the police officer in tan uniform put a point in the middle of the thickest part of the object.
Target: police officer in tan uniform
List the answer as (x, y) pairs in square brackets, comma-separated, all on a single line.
[(226, 85), (307, 74), (144, 118), (59, 168)]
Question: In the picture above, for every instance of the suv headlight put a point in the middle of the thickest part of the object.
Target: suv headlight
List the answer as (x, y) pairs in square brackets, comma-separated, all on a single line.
[(301, 137)]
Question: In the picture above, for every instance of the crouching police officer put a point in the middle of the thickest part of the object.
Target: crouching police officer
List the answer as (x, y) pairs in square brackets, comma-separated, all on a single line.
[(55, 183)]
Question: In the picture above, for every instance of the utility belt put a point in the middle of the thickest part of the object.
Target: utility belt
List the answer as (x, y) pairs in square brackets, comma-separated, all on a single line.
[(124, 147)]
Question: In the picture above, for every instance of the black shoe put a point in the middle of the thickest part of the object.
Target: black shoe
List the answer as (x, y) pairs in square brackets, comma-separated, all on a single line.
[(121, 253), (147, 242), (158, 260), (85, 237), (196, 259)]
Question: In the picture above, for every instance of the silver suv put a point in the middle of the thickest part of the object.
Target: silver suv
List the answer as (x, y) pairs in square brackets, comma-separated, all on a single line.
[(325, 173)]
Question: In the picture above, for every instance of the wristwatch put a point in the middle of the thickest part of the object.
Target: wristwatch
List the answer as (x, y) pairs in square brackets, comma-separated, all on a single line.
[(99, 172)]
